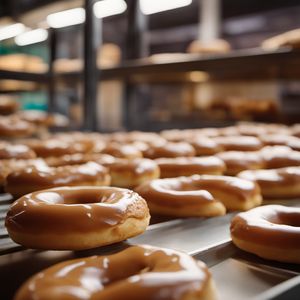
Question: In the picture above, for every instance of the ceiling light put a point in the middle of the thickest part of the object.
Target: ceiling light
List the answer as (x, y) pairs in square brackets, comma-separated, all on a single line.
[(149, 7), (11, 31), (31, 37), (106, 8), (66, 18)]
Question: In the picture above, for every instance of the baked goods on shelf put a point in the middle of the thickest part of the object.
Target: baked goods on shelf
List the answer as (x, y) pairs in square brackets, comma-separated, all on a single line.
[(290, 38), (270, 231), (74, 218), (8, 105), (23, 63), (214, 46), (138, 272), (283, 183)]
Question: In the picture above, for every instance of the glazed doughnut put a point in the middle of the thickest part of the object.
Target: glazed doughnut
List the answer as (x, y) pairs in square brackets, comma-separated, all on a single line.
[(55, 147), (239, 143), (74, 218), (238, 161), (186, 166), (279, 157), (13, 127), (276, 183), (138, 272), (8, 105), (170, 150), (10, 151), (270, 231), (199, 195), (205, 146), (78, 159), (33, 179), (295, 130), (122, 151), (131, 173), (42, 118), (8, 166), (286, 140)]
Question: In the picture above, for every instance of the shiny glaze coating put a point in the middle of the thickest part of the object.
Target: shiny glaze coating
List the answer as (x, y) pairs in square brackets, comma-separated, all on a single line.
[(129, 173), (237, 161), (73, 209), (79, 158), (9, 151), (281, 183), (136, 273), (272, 225), (273, 177), (186, 166), (196, 189), (56, 147), (13, 127), (279, 157), (122, 151), (239, 143), (33, 179), (170, 150), (270, 231)]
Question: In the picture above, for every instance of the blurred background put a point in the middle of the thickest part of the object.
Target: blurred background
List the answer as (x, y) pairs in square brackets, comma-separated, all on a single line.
[(152, 64)]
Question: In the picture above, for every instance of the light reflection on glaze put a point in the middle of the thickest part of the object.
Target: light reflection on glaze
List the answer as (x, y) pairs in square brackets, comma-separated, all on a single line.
[(185, 166), (32, 179), (92, 207), (170, 150), (273, 177), (139, 272), (8, 151), (196, 189), (272, 225)]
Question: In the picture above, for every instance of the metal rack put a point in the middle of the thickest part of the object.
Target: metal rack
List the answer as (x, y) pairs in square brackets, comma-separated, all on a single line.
[(238, 275)]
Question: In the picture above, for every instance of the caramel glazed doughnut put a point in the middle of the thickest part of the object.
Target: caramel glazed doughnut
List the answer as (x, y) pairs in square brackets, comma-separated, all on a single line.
[(136, 273), (276, 183), (270, 231), (199, 195), (74, 218), (187, 166), (11, 151), (33, 179), (131, 173)]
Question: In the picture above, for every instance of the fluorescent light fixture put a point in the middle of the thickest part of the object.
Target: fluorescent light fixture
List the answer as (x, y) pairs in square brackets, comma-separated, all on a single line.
[(11, 31), (31, 37), (106, 8), (149, 7), (66, 18)]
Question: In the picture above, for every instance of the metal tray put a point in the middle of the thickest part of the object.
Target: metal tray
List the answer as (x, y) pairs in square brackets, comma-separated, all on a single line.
[(238, 275)]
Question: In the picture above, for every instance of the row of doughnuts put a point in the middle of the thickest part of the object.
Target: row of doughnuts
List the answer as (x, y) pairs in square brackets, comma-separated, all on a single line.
[(105, 215)]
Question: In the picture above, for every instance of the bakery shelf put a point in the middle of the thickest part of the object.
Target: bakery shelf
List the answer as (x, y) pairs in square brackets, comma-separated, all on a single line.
[(246, 63), (24, 76), (276, 64)]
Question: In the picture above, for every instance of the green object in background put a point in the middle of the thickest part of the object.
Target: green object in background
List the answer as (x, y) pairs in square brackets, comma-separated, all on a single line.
[(33, 100)]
